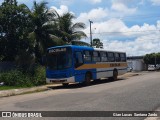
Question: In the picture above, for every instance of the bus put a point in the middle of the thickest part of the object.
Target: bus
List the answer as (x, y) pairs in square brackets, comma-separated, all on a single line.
[(81, 64)]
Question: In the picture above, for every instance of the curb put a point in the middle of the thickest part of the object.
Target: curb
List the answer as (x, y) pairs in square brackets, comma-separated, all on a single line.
[(12, 92)]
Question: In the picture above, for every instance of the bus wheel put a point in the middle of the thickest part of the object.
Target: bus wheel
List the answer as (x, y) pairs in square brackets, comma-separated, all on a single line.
[(115, 75), (87, 79), (65, 84)]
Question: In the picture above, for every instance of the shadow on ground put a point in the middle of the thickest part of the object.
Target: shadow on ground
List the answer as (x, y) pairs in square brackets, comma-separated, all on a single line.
[(81, 85)]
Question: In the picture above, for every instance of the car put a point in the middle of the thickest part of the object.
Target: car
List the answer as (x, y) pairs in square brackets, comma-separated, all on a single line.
[(151, 68), (158, 67)]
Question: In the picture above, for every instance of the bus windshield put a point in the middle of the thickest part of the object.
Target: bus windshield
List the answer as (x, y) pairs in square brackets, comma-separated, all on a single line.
[(59, 58)]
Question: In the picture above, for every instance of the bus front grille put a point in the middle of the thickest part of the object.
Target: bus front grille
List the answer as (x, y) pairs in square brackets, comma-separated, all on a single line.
[(59, 75)]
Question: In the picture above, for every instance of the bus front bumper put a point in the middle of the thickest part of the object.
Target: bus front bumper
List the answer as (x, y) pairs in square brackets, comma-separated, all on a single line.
[(60, 80)]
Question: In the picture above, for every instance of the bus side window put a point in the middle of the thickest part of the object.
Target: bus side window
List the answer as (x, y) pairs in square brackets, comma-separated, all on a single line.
[(111, 57), (103, 56), (96, 56), (78, 59), (117, 57), (123, 57), (87, 56)]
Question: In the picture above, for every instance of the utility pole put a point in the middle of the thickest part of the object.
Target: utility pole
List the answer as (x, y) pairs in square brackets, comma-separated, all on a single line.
[(90, 32), (155, 60)]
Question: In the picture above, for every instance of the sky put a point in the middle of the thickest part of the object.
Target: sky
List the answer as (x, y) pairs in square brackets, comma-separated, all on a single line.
[(132, 26)]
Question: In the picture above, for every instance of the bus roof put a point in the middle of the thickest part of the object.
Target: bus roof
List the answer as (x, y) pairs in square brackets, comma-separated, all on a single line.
[(84, 48), (104, 50), (73, 46)]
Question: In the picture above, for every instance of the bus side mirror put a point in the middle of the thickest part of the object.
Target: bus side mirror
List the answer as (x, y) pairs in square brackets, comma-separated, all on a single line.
[(44, 60)]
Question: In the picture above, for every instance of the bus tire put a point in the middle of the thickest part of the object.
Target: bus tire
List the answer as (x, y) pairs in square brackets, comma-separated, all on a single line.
[(87, 79), (115, 76), (65, 84)]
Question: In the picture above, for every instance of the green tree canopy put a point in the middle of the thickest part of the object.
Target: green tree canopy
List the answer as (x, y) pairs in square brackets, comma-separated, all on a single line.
[(14, 28), (153, 58), (67, 30), (43, 29), (25, 32), (97, 43)]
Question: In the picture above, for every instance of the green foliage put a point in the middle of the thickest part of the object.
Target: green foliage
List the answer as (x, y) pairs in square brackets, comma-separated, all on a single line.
[(44, 26), (152, 58), (67, 30), (39, 76), (33, 31), (24, 79), (15, 25), (80, 43), (15, 78), (97, 43)]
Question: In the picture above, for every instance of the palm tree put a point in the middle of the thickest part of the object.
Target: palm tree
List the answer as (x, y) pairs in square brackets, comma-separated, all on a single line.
[(43, 31), (51, 29), (67, 30)]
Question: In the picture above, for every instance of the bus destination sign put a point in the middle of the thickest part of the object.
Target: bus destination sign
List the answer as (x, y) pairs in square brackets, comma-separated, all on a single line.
[(57, 50)]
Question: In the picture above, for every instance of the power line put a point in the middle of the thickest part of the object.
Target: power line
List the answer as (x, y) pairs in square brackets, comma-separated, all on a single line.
[(126, 32)]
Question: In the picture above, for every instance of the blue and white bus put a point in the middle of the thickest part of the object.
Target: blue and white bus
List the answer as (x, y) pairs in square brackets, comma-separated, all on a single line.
[(81, 64)]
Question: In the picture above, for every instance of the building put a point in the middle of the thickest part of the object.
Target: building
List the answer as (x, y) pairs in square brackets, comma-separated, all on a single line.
[(136, 63)]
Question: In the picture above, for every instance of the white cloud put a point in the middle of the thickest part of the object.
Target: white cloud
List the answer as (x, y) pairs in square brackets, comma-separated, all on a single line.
[(158, 24), (127, 2), (95, 1), (94, 14), (120, 7), (155, 2), (63, 9), (62, 2), (112, 25), (135, 40), (139, 46)]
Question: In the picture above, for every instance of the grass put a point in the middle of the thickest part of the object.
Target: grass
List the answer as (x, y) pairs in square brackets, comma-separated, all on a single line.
[(9, 87)]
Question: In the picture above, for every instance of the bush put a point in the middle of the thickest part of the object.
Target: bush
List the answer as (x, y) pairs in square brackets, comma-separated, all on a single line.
[(24, 79), (39, 76), (15, 78)]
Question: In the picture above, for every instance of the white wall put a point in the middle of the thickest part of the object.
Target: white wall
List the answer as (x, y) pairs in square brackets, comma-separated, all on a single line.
[(137, 65)]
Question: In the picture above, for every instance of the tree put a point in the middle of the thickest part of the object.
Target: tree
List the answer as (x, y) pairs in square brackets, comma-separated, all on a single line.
[(153, 58), (67, 30), (43, 32), (14, 28), (79, 43), (97, 43)]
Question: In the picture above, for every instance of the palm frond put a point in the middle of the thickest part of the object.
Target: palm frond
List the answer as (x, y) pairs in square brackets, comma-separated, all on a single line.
[(78, 35), (78, 25)]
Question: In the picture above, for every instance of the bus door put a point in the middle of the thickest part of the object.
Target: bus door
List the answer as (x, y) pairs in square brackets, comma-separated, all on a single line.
[(78, 62)]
